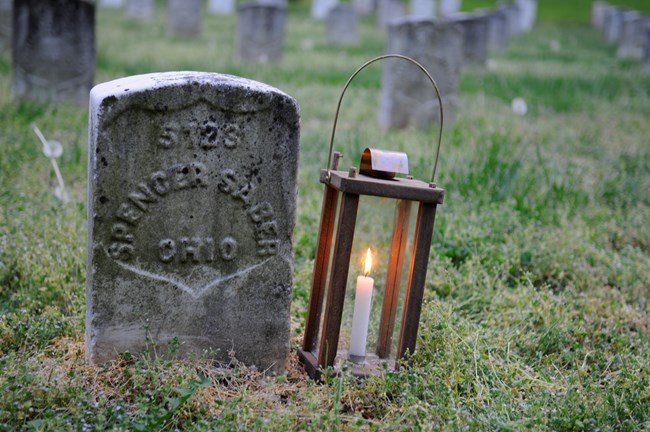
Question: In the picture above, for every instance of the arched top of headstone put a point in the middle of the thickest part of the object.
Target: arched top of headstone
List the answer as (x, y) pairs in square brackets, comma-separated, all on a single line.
[(245, 95)]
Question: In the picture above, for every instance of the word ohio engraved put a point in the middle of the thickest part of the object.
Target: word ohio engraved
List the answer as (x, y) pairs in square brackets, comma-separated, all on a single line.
[(196, 249)]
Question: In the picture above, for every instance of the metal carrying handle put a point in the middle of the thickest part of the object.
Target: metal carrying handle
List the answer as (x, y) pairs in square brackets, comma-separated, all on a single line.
[(366, 64)]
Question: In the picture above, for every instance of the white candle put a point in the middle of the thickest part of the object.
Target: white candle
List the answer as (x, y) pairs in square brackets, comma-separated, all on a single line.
[(361, 315)]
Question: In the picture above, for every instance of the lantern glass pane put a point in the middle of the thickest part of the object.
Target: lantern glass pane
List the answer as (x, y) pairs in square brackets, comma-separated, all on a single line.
[(376, 220)]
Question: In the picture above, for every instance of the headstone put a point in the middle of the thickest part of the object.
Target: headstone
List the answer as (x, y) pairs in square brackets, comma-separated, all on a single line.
[(449, 7), (497, 29), (364, 7), (184, 18), (260, 32), (475, 36), (5, 24), (407, 97), (320, 8), (513, 12), (343, 25), (53, 50), (631, 39), (423, 8), (191, 209), (598, 14), (140, 9), (388, 10), (111, 4), (646, 51), (612, 24), (221, 7), (528, 14)]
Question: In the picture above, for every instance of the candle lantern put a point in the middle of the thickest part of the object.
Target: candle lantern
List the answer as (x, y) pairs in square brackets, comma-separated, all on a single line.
[(376, 177)]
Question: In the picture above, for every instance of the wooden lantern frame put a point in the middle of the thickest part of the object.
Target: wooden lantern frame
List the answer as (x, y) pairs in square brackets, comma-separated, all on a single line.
[(347, 187)]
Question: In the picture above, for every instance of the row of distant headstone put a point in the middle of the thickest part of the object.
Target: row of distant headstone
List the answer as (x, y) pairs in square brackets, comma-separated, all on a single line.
[(442, 46), (627, 28)]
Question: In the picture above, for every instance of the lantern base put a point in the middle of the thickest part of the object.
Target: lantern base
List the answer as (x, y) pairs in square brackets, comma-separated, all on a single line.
[(372, 365)]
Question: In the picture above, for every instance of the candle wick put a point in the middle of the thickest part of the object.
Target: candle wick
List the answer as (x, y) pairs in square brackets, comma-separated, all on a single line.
[(366, 273)]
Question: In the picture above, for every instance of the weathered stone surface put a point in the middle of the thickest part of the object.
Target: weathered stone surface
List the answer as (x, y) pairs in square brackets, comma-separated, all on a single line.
[(53, 50), (423, 8), (631, 39), (221, 7), (407, 97), (5, 24), (184, 18), (111, 4), (475, 36), (320, 8), (497, 29), (612, 24), (343, 25), (191, 209), (449, 7), (598, 14), (260, 32), (388, 10), (140, 9)]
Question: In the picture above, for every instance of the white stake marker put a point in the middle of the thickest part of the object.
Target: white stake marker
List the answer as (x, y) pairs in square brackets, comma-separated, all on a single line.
[(53, 150)]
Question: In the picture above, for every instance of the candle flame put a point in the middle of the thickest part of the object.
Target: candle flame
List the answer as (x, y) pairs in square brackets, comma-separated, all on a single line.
[(366, 270)]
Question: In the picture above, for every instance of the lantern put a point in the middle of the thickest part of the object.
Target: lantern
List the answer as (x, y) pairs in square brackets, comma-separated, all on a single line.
[(376, 177)]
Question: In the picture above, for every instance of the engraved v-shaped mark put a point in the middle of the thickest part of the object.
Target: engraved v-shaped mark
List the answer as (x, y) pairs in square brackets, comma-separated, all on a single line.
[(194, 293)]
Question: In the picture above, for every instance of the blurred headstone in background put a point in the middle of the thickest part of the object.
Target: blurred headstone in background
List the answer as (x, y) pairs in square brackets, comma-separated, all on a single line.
[(364, 7), (527, 14), (221, 7), (407, 96), (5, 24), (388, 10), (192, 200), (111, 4), (320, 8), (423, 8), (53, 50), (260, 32), (184, 17), (612, 24), (497, 29), (630, 41), (598, 14), (448, 7), (475, 35), (343, 25), (140, 9), (513, 13)]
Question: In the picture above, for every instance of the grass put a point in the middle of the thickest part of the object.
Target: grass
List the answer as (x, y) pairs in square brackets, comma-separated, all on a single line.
[(536, 311)]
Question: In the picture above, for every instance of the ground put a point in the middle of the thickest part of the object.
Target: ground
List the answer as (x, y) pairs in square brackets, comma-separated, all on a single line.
[(536, 312)]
